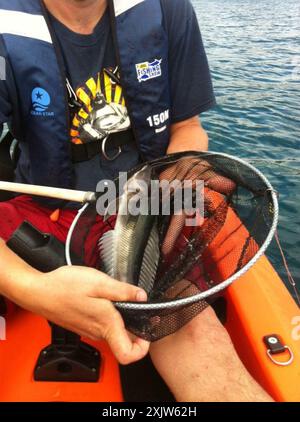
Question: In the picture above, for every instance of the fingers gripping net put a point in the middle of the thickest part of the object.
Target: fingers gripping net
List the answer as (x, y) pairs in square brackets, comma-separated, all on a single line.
[(196, 262)]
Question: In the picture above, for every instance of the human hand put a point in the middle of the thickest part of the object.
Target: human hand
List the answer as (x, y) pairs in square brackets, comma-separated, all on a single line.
[(80, 300), (191, 170)]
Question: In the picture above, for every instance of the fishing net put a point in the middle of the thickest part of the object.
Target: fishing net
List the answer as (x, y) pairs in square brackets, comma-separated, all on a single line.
[(196, 262)]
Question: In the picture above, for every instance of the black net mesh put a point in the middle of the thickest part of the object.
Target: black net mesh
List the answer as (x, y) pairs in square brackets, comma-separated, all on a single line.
[(236, 220)]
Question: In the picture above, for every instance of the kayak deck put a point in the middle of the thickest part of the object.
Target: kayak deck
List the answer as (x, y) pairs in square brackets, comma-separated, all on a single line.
[(26, 336), (258, 304)]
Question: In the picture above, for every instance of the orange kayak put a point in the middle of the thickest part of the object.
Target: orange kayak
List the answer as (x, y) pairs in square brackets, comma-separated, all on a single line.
[(258, 304)]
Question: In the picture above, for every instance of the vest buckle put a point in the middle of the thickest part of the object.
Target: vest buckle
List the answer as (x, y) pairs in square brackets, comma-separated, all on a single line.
[(109, 158)]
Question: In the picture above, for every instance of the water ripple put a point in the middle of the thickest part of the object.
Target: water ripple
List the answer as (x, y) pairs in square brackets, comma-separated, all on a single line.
[(254, 55)]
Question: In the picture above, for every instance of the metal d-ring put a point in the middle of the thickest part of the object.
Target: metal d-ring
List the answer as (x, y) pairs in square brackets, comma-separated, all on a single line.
[(105, 153), (288, 362)]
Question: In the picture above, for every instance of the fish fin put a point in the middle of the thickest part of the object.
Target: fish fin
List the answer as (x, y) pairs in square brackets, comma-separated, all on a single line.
[(150, 261), (106, 248), (112, 209)]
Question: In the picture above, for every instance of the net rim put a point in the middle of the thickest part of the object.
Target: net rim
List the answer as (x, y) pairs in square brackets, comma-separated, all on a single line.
[(177, 303)]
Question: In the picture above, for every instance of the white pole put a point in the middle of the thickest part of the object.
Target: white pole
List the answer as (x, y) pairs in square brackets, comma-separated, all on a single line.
[(50, 192)]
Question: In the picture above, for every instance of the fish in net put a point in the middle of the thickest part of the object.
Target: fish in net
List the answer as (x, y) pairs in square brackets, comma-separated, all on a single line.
[(183, 267)]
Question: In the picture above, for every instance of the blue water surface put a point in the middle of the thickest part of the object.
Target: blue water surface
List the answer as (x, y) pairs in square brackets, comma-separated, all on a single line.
[(253, 49)]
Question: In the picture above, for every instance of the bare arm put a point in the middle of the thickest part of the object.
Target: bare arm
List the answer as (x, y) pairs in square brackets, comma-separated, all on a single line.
[(188, 135), (75, 298), (199, 362), (205, 367)]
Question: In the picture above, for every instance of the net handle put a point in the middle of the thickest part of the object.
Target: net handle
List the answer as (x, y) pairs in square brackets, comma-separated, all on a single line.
[(49, 192)]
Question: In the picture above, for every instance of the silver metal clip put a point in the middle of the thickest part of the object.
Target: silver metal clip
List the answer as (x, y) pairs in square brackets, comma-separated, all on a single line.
[(288, 362), (105, 153)]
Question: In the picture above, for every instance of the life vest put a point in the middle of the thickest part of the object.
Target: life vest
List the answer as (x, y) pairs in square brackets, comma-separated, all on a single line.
[(43, 127)]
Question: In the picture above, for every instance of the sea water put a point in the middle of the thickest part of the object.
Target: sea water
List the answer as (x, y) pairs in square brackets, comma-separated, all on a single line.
[(253, 49)]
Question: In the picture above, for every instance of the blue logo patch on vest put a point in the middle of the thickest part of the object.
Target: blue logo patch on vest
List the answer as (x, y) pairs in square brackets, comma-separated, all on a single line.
[(146, 70), (41, 101)]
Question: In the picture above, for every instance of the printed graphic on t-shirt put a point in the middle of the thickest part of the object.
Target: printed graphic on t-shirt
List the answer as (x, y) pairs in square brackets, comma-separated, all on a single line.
[(103, 109)]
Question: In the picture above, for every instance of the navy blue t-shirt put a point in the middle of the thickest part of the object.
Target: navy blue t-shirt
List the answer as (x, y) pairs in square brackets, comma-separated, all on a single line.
[(86, 57)]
